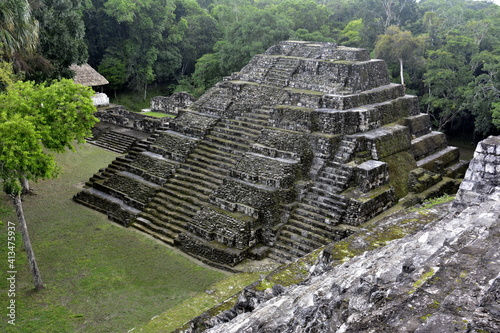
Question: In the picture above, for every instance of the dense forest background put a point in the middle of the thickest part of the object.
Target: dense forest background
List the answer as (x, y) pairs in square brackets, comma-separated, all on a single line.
[(445, 51)]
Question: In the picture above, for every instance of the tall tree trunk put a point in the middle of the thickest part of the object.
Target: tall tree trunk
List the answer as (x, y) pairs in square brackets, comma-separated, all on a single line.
[(401, 71), (27, 243), (26, 185)]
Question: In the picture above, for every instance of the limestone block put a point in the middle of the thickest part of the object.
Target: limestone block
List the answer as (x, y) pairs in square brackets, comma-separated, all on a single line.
[(364, 206), (237, 232), (193, 123), (292, 118), (173, 103), (419, 125), (482, 179), (173, 145), (268, 171), (428, 144), (386, 141), (100, 99), (370, 175)]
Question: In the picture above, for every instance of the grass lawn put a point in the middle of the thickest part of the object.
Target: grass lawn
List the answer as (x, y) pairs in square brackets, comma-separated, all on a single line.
[(99, 277)]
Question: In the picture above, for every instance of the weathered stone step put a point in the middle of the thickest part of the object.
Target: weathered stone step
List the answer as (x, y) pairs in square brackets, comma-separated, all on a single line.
[(428, 144), (228, 143), (184, 174), (332, 211), (446, 157), (166, 216), (163, 234), (308, 231), (314, 216), (113, 148), (280, 256), (187, 202), (206, 188), (294, 252), (322, 224), (325, 190), (231, 136), (211, 153), (236, 131), (334, 180), (199, 192), (305, 244), (330, 198), (196, 159), (238, 125), (209, 175), (210, 169), (327, 205)]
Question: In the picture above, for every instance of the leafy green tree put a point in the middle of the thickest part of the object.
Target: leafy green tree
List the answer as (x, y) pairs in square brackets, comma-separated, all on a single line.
[(450, 69), (351, 35), (304, 14), (114, 70), (21, 155), (252, 35), (62, 34), (399, 46), (18, 30), (483, 94), (34, 118)]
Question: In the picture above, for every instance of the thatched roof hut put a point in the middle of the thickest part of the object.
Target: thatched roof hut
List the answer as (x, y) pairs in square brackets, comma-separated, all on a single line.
[(87, 76)]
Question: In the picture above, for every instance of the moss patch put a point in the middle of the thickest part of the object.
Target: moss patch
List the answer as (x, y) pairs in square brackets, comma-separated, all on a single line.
[(400, 165), (202, 301)]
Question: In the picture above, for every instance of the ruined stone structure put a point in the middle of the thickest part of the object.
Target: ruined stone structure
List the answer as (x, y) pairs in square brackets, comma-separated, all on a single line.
[(300, 147), (443, 278), (172, 104)]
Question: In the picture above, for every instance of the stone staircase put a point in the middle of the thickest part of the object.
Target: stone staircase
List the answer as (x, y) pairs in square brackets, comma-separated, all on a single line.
[(114, 141), (204, 170), (315, 221), (281, 71)]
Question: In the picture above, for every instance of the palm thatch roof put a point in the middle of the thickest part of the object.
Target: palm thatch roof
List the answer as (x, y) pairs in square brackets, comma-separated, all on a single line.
[(87, 76)]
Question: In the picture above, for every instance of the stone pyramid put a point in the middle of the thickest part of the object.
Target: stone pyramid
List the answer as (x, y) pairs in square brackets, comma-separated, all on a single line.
[(304, 144)]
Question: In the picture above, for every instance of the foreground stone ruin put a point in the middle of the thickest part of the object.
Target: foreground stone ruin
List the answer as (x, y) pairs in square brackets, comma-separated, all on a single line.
[(300, 147), (444, 277)]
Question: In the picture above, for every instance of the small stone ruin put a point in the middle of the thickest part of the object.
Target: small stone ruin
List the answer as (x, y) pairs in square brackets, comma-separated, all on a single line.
[(304, 144)]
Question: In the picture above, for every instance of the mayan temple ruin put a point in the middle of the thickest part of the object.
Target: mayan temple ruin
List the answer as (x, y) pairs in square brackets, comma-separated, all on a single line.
[(297, 150)]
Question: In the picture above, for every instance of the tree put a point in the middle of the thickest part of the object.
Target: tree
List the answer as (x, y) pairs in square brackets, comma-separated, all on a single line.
[(398, 45), (62, 34), (34, 118), (350, 36), (450, 70), (251, 35), (18, 30)]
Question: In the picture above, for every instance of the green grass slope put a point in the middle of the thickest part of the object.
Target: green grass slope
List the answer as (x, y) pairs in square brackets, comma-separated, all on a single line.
[(99, 277)]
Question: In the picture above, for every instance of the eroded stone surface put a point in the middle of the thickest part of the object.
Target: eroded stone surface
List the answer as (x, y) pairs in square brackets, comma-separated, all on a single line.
[(444, 278)]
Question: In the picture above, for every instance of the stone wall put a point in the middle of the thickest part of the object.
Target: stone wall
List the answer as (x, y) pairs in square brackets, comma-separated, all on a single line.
[(483, 175), (124, 118), (173, 103), (228, 230)]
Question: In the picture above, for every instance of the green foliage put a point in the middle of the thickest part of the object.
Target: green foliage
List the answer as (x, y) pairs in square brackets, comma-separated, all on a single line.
[(18, 29), (253, 34), (61, 112), (61, 35), (398, 46), (114, 70), (351, 36), (21, 154)]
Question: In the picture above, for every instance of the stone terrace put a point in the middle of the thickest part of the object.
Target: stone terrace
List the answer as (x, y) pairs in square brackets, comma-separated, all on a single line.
[(300, 147)]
